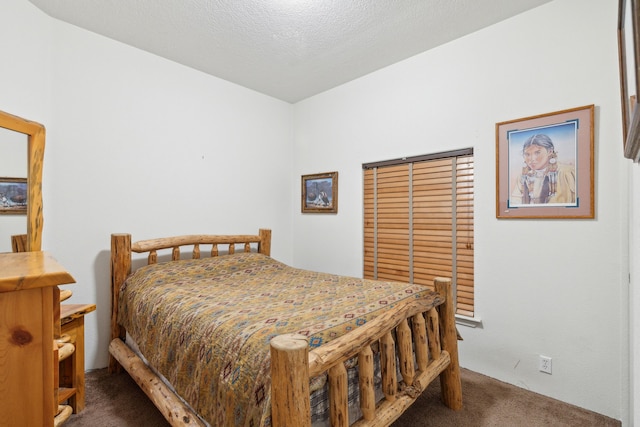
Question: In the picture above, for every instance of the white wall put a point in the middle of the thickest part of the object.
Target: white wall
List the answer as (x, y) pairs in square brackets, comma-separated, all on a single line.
[(142, 145), (634, 291), (553, 287), (24, 83), (26, 51)]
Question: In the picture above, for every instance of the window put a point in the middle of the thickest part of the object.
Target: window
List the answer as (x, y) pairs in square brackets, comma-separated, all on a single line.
[(418, 221)]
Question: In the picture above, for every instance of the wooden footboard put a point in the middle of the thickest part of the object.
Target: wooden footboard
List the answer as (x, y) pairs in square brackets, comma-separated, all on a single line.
[(426, 348), (421, 337)]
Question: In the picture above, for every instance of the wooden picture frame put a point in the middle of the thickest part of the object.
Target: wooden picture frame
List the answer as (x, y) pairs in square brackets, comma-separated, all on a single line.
[(544, 165), (320, 193), (14, 194), (628, 55)]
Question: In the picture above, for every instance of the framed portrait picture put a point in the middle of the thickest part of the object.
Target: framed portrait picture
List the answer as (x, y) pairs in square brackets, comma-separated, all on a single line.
[(544, 165), (13, 196), (629, 63), (627, 70), (320, 193)]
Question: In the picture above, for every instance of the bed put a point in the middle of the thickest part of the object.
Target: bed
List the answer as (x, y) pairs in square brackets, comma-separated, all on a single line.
[(237, 338)]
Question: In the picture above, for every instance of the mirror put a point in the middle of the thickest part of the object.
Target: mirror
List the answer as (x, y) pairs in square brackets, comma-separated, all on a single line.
[(34, 134), (13, 196)]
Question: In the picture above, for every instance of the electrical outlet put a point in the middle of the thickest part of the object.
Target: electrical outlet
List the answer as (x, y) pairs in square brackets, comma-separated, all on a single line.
[(545, 364)]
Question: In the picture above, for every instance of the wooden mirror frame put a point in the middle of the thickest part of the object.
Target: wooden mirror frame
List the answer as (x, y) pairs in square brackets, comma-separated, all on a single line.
[(629, 40), (36, 136)]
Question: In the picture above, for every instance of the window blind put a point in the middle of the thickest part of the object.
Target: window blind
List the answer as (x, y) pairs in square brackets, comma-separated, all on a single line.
[(418, 221)]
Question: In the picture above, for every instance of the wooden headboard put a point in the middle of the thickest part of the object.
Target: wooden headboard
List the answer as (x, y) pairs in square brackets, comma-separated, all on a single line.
[(175, 243)]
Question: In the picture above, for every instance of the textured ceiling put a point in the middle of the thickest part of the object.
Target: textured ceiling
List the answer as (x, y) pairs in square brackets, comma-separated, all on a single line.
[(288, 49)]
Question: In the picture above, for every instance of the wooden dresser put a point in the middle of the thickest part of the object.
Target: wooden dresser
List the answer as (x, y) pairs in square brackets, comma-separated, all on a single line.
[(29, 324)]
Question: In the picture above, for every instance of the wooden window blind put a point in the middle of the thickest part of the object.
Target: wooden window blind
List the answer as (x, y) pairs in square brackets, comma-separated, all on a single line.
[(418, 221)]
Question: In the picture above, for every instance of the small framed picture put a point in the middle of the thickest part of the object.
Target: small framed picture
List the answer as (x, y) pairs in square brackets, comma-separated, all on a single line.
[(13, 196), (545, 165), (320, 193)]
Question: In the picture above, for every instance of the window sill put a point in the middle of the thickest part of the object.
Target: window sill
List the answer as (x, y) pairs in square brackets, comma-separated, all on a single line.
[(471, 322)]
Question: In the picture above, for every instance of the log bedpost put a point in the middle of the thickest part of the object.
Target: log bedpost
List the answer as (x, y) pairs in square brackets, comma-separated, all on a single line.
[(338, 396), (420, 339), (388, 367), (290, 405), (265, 242), (407, 366), (366, 382), (450, 378), (120, 269), (433, 332)]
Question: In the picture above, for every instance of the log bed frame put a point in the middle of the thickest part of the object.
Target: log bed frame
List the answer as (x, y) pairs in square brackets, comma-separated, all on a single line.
[(426, 343)]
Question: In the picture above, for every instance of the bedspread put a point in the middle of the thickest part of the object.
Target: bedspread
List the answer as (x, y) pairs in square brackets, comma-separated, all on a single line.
[(205, 324)]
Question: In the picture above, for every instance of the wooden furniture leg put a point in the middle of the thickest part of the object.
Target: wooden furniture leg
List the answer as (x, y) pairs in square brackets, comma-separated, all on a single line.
[(72, 368)]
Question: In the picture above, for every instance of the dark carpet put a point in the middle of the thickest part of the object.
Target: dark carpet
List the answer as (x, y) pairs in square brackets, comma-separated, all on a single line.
[(116, 401)]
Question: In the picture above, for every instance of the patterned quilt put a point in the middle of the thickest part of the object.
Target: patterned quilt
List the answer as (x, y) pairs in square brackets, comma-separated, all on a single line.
[(205, 324)]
